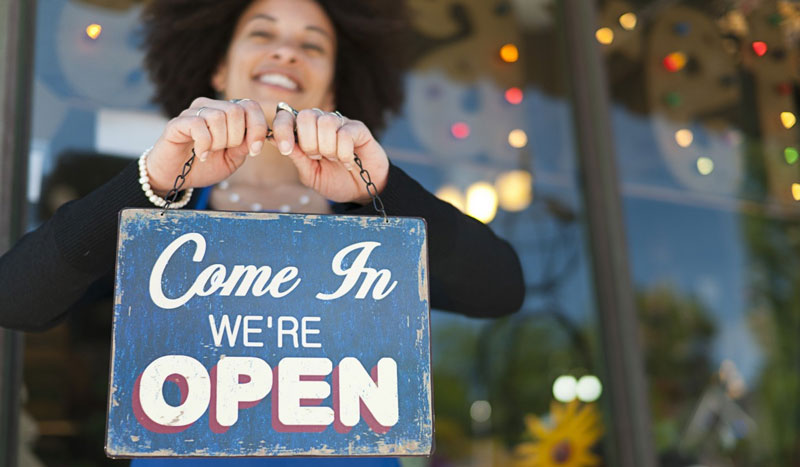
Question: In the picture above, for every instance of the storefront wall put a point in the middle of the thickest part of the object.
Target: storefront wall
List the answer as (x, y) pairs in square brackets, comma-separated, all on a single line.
[(693, 273), (490, 131)]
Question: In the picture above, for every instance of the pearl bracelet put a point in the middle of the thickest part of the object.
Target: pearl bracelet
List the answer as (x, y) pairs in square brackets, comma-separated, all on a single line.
[(144, 180)]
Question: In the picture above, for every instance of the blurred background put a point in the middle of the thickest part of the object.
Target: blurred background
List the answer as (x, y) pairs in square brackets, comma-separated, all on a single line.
[(641, 156)]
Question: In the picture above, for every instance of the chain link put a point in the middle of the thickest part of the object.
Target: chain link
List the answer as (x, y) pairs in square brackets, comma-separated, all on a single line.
[(172, 195), (372, 190)]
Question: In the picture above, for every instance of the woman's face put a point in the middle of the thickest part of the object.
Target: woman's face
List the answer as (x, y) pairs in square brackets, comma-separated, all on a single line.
[(282, 50)]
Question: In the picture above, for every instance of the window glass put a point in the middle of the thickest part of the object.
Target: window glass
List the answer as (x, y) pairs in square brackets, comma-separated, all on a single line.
[(486, 125), (704, 103)]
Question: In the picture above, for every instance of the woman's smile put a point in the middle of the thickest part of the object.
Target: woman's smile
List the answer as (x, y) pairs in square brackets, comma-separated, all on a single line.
[(279, 80)]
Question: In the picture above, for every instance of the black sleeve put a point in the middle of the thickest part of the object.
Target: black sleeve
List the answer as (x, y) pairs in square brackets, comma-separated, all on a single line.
[(472, 271), (51, 267)]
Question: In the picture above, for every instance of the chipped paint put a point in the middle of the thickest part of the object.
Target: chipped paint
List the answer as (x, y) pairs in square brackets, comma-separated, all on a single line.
[(366, 329)]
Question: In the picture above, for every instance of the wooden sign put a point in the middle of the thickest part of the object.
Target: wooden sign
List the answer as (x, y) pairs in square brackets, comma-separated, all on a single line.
[(244, 334)]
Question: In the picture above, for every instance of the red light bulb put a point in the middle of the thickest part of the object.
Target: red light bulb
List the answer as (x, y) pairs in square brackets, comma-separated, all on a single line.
[(514, 95), (760, 48), (460, 130)]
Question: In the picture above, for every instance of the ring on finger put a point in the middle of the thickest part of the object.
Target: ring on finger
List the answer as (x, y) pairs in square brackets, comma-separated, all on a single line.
[(200, 110), (341, 117), (319, 111), (239, 101), (284, 106)]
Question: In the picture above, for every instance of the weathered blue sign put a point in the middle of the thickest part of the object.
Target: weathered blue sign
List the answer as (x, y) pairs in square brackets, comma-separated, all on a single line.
[(239, 334)]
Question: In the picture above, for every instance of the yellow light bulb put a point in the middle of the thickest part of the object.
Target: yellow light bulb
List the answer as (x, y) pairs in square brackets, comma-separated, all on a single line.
[(509, 53), (604, 36), (482, 201), (514, 190), (796, 191), (452, 195), (684, 138), (517, 139), (705, 165), (94, 30), (628, 21), (788, 119)]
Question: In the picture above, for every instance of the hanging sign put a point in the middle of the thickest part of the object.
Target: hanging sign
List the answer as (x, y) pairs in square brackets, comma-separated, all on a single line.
[(257, 334)]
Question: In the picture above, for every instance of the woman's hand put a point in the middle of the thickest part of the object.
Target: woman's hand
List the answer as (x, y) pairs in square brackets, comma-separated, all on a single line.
[(222, 133), (324, 153)]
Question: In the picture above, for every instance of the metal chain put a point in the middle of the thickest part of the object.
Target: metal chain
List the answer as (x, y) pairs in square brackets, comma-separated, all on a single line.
[(172, 195), (372, 190), (377, 203)]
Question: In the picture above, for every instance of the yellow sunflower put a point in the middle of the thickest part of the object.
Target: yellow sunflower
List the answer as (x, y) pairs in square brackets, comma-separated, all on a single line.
[(564, 442)]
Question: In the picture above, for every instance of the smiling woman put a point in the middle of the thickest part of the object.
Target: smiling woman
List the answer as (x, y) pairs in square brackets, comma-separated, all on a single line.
[(187, 40), (220, 69), (316, 56)]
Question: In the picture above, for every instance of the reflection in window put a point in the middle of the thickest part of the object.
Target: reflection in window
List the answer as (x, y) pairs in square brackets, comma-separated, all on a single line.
[(704, 111)]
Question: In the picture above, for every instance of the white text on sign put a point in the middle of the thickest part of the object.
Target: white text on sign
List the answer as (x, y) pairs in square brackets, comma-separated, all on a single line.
[(259, 281), (297, 384)]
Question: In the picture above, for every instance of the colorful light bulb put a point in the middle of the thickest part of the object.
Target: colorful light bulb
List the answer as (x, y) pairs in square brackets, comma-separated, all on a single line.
[(93, 31)]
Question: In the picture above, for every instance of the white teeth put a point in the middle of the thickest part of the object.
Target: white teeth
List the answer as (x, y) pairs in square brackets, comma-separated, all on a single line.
[(278, 80)]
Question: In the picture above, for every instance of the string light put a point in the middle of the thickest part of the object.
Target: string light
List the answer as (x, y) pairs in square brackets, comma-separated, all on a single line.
[(93, 31), (514, 95), (682, 28), (452, 195), (517, 139), (604, 36), (509, 53), (788, 119), (673, 99), (480, 411), (791, 155), (760, 48), (589, 388), (514, 190), (459, 130), (684, 137), (705, 165), (565, 388), (628, 21), (675, 61), (796, 191), (482, 201)]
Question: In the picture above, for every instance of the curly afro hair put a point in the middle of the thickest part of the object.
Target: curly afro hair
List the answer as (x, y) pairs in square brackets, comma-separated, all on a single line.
[(185, 41)]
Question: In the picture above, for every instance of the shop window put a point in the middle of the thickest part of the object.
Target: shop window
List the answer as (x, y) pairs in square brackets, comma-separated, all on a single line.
[(486, 125), (704, 115)]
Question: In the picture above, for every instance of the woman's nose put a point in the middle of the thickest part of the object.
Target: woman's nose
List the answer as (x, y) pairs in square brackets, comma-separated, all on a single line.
[(285, 53)]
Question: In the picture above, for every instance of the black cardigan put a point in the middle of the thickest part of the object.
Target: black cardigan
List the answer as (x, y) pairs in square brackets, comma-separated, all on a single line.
[(472, 271)]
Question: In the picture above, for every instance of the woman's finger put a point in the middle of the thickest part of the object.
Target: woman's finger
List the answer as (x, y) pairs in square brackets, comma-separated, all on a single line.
[(216, 121), (283, 132), (234, 123), (256, 126), (345, 147), (203, 139), (191, 129), (307, 133), (327, 128)]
